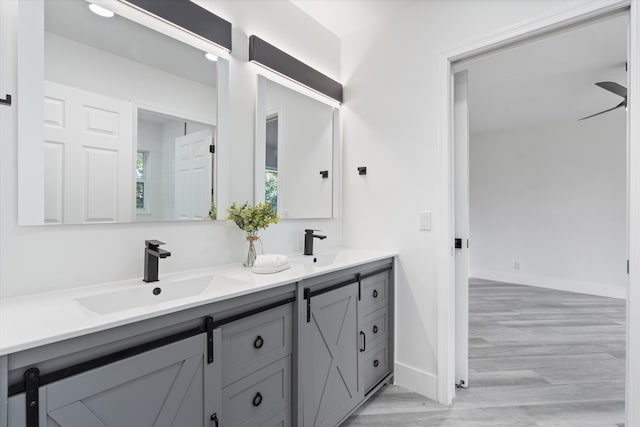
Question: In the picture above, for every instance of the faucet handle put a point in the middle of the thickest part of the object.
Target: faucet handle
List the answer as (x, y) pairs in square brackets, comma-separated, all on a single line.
[(153, 244), (310, 230)]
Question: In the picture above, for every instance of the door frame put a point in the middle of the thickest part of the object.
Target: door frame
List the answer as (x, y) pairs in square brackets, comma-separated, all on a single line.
[(445, 250), (461, 226)]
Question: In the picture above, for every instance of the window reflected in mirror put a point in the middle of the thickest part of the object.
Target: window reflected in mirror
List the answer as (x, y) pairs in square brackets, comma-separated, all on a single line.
[(271, 166), (141, 165)]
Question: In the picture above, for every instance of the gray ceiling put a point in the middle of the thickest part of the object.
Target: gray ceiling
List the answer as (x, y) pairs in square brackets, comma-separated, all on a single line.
[(550, 79)]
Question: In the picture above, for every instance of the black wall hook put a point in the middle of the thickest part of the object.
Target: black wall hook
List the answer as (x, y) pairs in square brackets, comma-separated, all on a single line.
[(6, 100)]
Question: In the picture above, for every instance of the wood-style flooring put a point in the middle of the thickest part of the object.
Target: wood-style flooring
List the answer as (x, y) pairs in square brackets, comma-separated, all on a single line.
[(537, 357)]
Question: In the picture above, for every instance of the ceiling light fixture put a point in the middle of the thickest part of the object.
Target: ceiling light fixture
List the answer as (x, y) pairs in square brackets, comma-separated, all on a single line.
[(210, 56), (101, 11)]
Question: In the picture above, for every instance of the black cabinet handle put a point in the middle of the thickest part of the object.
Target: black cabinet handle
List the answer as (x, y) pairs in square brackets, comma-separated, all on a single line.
[(375, 363), (375, 293), (259, 342), (214, 420), (364, 341), (375, 329), (257, 400), (324, 174)]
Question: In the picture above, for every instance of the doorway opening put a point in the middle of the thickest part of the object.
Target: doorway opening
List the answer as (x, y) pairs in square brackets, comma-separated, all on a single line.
[(516, 263)]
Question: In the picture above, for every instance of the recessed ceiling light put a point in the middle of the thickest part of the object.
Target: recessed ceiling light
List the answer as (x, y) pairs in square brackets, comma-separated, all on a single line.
[(210, 56), (99, 10)]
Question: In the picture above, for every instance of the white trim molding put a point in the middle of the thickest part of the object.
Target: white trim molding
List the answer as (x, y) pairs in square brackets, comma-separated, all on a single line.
[(633, 297), (579, 286), (416, 380), (446, 273)]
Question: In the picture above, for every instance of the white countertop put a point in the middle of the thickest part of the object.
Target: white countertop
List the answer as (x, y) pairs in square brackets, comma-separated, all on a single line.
[(34, 320)]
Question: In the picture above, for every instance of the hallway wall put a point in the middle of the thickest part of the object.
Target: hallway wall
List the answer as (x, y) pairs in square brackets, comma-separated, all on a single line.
[(548, 205)]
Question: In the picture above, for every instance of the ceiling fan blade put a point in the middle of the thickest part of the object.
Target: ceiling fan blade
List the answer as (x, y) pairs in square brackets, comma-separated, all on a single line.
[(622, 104), (613, 87)]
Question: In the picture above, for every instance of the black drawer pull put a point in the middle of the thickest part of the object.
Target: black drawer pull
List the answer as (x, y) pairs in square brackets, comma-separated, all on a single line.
[(364, 341), (259, 342), (214, 420), (375, 329), (257, 400), (375, 363), (375, 293)]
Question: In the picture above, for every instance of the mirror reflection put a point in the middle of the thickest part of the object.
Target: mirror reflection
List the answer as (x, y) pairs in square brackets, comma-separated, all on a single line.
[(174, 170), (129, 121), (295, 151)]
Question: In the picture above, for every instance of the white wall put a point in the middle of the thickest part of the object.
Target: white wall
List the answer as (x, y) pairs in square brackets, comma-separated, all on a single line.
[(35, 259), (84, 67), (389, 118), (552, 198)]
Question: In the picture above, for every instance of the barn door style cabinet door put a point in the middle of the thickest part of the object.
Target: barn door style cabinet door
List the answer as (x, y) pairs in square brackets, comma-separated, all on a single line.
[(330, 356), (173, 385), (346, 352)]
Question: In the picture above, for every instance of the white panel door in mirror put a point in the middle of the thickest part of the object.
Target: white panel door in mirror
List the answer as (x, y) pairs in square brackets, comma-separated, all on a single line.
[(88, 158)]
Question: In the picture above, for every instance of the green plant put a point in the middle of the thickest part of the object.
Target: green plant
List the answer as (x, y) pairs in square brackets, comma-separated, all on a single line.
[(251, 219), (213, 212)]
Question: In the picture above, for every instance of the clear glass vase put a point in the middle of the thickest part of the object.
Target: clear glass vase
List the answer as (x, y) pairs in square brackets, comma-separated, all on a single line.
[(251, 254)]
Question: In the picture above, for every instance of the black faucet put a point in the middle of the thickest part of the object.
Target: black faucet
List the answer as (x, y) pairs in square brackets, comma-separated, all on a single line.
[(308, 240), (152, 253)]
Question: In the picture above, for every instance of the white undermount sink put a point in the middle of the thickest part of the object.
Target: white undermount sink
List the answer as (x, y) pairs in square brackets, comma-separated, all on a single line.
[(321, 259), (146, 294)]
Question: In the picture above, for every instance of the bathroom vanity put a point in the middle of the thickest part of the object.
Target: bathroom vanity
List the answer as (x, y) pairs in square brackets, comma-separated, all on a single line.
[(304, 347)]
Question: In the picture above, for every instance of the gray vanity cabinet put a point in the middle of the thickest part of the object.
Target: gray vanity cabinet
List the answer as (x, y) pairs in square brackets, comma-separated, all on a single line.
[(224, 365), (256, 365), (304, 354), (373, 326), (169, 386), (330, 357), (346, 351)]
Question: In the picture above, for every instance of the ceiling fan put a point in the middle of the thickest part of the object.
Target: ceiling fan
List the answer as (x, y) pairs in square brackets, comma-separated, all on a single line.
[(614, 88)]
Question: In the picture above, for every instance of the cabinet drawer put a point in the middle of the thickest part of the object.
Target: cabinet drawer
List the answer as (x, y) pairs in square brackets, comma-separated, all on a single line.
[(258, 398), (375, 365), (373, 328), (254, 342), (373, 293)]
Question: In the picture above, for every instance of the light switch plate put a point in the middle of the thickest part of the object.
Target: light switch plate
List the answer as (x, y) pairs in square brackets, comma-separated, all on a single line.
[(425, 220)]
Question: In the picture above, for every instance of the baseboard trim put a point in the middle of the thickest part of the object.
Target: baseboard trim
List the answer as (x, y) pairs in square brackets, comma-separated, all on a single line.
[(578, 286), (416, 380)]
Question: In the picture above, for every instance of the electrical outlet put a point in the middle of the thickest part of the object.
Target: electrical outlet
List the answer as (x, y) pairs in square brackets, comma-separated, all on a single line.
[(516, 265)]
